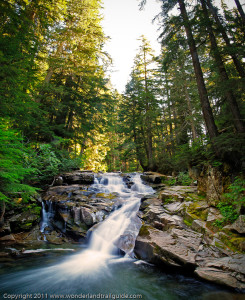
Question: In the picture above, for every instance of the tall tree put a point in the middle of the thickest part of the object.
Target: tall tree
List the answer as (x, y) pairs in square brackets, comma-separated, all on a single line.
[(230, 97), (230, 47)]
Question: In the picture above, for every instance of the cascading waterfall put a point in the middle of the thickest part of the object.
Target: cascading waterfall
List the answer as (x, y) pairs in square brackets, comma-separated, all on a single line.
[(118, 231), (123, 225), (98, 270)]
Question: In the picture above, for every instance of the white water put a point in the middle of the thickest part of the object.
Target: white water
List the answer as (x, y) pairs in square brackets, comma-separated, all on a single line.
[(120, 228), (47, 213)]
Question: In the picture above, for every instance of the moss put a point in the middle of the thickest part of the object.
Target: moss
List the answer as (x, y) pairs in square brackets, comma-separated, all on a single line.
[(233, 242), (196, 211), (167, 200), (106, 196), (188, 223), (144, 230), (26, 226), (219, 245), (238, 243)]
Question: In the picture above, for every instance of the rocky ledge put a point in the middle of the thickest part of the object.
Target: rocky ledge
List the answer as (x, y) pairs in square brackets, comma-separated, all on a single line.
[(179, 232)]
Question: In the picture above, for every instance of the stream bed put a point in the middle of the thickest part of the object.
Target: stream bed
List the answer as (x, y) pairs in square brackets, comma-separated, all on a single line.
[(99, 270)]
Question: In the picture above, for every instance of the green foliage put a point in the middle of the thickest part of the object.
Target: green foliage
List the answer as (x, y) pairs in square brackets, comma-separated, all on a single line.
[(13, 170), (233, 202), (171, 181), (49, 161), (228, 212), (236, 195), (183, 179)]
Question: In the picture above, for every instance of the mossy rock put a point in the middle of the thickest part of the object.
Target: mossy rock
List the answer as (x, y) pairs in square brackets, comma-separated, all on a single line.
[(144, 230), (239, 243), (106, 196), (235, 242), (198, 211), (24, 221), (187, 223)]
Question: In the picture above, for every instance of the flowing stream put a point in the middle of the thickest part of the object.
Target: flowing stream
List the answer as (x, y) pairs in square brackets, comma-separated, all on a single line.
[(98, 271)]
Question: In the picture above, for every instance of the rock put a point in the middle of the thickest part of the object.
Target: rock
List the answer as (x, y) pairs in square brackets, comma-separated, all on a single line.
[(78, 177), (177, 248), (152, 177), (174, 207), (87, 216), (176, 193), (58, 181), (238, 225), (213, 215), (199, 226), (7, 238), (229, 271), (219, 277), (23, 221), (126, 242), (150, 201), (5, 229), (55, 238)]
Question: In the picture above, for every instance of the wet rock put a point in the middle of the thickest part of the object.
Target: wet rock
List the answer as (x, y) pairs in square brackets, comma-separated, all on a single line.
[(78, 177), (126, 242), (58, 181), (87, 216)]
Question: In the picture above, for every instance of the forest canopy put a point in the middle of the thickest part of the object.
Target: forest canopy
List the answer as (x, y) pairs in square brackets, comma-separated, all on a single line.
[(58, 111)]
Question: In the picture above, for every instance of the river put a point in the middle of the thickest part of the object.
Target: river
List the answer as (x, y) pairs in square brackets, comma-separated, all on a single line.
[(98, 270)]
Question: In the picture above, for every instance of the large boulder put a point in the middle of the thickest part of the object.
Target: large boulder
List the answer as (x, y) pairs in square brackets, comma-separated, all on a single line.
[(229, 271), (177, 248), (78, 177), (23, 221), (238, 225), (152, 177)]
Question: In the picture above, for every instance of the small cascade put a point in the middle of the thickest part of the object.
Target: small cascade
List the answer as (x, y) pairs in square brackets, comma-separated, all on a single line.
[(139, 187), (110, 183), (47, 214), (121, 228)]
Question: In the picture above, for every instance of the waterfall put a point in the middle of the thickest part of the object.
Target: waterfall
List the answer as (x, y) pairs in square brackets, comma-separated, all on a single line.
[(47, 214), (118, 231), (121, 228)]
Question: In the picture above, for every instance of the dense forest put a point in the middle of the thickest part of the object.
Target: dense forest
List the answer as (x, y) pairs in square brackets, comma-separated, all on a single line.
[(58, 111)]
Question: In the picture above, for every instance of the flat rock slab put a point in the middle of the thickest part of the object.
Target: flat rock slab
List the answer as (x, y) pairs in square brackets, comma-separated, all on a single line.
[(171, 248)]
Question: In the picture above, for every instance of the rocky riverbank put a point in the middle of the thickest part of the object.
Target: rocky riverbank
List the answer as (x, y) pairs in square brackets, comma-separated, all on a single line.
[(179, 232), (179, 229)]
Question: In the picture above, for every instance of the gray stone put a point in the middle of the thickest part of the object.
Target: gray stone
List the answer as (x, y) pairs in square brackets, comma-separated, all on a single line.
[(87, 216), (238, 225), (213, 215), (199, 226)]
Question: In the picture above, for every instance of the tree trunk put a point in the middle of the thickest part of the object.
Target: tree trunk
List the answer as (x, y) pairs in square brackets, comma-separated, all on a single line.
[(241, 12), (235, 59), (229, 95), (206, 108), (149, 145), (193, 128)]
